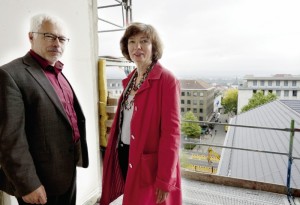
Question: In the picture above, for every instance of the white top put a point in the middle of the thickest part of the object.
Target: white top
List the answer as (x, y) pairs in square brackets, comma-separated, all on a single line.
[(127, 115)]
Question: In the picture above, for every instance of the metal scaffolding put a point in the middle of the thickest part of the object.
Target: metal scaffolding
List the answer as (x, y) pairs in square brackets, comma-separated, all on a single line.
[(126, 12)]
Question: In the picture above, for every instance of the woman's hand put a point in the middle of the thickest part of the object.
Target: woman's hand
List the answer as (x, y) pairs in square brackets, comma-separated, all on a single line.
[(161, 196)]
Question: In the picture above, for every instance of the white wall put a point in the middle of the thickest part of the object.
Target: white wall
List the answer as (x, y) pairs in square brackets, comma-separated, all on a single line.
[(243, 98), (80, 61)]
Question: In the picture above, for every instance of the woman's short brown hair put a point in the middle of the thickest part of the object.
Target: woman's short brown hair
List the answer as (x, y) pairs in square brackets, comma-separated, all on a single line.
[(137, 28)]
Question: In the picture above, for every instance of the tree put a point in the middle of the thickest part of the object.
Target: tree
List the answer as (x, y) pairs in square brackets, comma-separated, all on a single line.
[(190, 129), (229, 101), (258, 99)]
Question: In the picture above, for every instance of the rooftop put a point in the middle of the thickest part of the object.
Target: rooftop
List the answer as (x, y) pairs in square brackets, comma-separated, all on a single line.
[(194, 85), (257, 166), (273, 77)]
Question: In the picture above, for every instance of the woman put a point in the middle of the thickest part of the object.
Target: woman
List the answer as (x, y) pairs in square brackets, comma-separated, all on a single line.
[(141, 158)]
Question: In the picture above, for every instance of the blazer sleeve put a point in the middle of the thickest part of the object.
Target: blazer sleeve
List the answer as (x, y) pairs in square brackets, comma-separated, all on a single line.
[(169, 144), (15, 158)]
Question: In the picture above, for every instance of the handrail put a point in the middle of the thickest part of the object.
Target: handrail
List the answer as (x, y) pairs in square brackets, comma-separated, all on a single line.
[(292, 131)]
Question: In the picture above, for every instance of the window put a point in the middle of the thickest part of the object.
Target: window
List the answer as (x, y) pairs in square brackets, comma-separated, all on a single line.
[(294, 93), (195, 93), (270, 91), (269, 83), (254, 91), (200, 102), (200, 110), (188, 93), (254, 82), (262, 83), (182, 93), (286, 93), (277, 82), (294, 83), (182, 109), (201, 94), (194, 102), (195, 110), (188, 109), (182, 101), (278, 93), (188, 102), (286, 83)]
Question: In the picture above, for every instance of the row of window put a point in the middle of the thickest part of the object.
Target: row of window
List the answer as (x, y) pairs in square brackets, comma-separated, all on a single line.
[(116, 92), (195, 102), (277, 82), (189, 93), (195, 110), (114, 85), (286, 93)]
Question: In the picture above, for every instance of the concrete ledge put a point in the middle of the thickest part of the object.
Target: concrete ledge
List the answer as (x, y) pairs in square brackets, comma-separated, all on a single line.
[(235, 182)]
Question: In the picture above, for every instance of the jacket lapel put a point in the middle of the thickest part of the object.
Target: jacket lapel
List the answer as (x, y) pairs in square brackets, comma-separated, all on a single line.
[(154, 74), (37, 73)]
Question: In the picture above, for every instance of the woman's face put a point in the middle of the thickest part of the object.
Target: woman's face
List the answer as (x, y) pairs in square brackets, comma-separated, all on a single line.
[(140, 49)]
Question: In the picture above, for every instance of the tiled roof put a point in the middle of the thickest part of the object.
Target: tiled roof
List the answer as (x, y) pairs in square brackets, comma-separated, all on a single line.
[(194, 85), (271, 168)]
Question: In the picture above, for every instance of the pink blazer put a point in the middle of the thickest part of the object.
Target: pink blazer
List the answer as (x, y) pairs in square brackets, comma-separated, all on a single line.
[(154, 145)]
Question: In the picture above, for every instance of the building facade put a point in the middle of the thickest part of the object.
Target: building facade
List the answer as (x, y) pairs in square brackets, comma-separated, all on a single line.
[(198, 97), (285, 86)]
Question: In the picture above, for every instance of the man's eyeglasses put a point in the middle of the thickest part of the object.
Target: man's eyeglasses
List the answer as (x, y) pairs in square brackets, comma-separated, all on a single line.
[(51, 37)]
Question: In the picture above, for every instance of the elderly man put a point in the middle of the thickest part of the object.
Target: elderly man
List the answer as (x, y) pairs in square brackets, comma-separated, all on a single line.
[(42, 127)]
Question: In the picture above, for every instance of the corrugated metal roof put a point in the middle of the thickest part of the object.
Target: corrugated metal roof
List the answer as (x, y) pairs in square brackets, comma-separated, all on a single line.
[(256, 166), (293, 104)]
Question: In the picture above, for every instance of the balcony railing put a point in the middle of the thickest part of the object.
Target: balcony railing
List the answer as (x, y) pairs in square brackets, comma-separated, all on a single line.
[(288, 190)]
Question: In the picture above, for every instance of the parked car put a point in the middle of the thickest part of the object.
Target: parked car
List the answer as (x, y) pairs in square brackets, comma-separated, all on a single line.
[(204, 129)]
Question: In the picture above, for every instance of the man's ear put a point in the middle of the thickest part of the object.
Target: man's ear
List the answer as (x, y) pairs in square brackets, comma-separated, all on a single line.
[(30, 35)]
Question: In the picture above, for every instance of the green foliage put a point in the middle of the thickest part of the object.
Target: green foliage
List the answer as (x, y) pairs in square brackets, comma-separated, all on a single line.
[(189, 146), (190, 129), (258, 99), (229, 101), (184, 159)]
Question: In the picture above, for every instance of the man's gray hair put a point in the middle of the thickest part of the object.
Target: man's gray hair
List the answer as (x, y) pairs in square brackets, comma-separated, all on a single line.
[(37, 21)]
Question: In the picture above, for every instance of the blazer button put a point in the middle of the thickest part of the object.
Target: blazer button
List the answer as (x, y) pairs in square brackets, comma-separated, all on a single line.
[(135, 108), (132, 137), (130, 165)]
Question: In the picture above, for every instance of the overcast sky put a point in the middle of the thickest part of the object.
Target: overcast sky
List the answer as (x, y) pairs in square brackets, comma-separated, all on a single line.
[(229, 38)]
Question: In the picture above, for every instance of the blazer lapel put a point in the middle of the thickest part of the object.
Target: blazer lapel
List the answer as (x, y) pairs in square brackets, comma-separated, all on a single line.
[(37, 73), (154, 74)]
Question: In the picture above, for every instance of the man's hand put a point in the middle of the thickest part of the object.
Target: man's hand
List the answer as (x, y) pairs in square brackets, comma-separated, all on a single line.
[(38, 196), (161, 196)]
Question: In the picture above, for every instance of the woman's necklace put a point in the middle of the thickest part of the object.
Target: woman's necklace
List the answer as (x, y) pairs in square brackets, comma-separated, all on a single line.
[(128, 104)]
